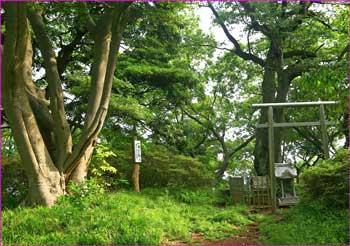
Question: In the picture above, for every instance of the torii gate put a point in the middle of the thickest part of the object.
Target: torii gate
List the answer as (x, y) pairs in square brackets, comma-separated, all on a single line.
[(270, 124)]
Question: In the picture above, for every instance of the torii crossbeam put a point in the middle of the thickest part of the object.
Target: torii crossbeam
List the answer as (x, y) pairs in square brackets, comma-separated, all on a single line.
[(270, 124)]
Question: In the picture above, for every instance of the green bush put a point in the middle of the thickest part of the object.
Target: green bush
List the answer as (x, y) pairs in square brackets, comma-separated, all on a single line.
[(14, 183), (100, 165), (327, 182), (103, 170), (82, 194), (321, 217), (162, 168)]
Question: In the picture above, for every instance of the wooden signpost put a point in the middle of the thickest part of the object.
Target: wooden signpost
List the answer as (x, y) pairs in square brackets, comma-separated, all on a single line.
[(137, 161)]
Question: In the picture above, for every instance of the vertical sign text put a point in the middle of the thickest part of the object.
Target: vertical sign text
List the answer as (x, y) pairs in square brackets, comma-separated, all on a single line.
[(137, 151)]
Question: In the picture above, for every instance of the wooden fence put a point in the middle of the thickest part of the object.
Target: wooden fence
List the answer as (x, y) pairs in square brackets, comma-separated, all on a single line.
[(253, 191)]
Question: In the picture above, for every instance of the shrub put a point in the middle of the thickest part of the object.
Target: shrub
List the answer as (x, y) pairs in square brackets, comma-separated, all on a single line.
[(327, 182), (162, 168), (100, 167), (99, 163), (14, 183), (83, 193)]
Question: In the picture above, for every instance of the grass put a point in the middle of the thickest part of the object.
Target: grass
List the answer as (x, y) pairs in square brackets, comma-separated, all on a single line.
[(156, 216), (306, 224), (151, 217)]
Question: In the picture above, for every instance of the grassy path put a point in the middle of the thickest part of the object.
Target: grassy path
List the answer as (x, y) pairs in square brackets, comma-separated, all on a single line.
[(248, 236)]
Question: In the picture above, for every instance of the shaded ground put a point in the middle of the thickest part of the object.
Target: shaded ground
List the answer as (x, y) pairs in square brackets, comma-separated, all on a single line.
[(248, 236)]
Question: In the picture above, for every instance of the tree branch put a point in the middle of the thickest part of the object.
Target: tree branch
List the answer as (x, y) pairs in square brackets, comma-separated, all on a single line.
[(238, 50), (241, 146), (61, 128), (106, 50), (343, 52), (297, 21), (210, 128), (312, 140), (90, 23), (250, 10), (65, 54), (224, 164), (296, 70), (301, 53)]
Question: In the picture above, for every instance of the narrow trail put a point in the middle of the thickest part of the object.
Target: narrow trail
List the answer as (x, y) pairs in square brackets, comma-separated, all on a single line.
[(248, 236)]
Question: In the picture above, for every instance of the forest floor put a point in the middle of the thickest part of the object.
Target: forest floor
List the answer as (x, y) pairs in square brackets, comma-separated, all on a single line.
[(248, 235)]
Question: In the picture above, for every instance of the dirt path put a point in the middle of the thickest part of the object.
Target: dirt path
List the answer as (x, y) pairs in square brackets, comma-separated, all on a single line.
[(248, 236)]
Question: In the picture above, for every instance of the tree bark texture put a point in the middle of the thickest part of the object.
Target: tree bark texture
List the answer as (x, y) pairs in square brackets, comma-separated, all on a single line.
[(136, 177), (44, 178), (275, 86), (40, 127)]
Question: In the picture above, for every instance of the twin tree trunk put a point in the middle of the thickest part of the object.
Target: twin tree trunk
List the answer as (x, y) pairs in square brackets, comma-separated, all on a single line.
[(38, 122)]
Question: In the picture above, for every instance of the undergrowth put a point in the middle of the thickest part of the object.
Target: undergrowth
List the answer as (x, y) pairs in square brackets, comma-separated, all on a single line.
[(151, 217), (306, 224)]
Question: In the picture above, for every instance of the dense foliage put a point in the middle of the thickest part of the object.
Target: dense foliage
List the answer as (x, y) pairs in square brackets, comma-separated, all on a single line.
[(328, 182), (14, 183)]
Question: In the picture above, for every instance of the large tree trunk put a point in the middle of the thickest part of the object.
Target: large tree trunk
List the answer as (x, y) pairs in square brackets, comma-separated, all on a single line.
[(40, 127), (282, 91), (261, 151), (275, 87), (45, 180)]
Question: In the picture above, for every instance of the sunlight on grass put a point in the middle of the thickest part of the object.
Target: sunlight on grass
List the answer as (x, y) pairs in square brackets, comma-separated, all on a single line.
[(151, 217)]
